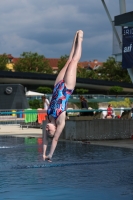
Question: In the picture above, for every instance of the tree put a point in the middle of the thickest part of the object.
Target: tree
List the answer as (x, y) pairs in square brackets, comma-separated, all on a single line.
[(32, 62), (112, 71), (116, 89), (35, 104), (82, 91), (45, 90), (3, 62), (82, 73)]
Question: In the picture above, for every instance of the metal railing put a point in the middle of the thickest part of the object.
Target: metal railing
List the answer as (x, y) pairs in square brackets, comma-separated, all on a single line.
[(19, 116), (11, 116), (91, 97)]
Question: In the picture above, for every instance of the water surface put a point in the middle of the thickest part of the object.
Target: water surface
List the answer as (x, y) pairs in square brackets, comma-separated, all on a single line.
[(78, 171)]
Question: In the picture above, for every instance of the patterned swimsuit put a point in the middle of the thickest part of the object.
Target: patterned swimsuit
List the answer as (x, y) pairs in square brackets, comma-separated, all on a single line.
[(59, 100)]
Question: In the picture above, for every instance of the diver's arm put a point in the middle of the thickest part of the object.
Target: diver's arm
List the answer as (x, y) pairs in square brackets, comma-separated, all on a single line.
[(45, 143), (58, 132)]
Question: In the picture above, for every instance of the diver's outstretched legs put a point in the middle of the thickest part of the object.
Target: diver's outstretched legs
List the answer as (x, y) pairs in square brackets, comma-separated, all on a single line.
[(63, 70), (71, 72)]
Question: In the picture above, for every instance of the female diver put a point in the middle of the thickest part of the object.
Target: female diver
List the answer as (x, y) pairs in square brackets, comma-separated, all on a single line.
[(63, 88)]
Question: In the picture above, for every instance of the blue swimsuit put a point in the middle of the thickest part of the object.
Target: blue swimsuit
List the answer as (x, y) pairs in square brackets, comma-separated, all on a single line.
[(59, 100)]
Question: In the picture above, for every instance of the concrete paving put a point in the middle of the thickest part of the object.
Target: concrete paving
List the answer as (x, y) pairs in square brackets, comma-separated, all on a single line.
[(17, 131), (126, 143)]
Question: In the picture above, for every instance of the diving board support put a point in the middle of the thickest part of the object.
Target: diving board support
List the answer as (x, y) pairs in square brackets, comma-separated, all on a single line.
[(112, 24), (122, 4)]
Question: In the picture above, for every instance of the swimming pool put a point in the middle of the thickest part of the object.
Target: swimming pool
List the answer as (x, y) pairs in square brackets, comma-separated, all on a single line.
[(78, 171)]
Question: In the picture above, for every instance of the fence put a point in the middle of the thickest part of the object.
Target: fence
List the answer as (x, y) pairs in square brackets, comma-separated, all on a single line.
[(91, 97), (91, 127), (25, 118), (34, 117), (11, 117)]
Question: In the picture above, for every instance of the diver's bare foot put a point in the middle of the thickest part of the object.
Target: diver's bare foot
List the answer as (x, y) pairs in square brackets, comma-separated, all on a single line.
[(73, 46), (80, 34)]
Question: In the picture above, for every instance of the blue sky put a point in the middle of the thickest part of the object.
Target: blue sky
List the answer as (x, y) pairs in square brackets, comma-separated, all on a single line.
[(48, 27)]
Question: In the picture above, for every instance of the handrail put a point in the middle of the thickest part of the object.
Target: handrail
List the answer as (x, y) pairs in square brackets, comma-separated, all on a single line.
[(72, 110)]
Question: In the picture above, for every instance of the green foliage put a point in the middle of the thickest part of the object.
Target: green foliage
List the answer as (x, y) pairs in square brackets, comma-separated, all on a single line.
[(35, 103), (62, 62), (32, 62), (82, 91), (45, 90), (111, 71), (82, 73), (78, 104), (115, 89), (3, 62), (117, 104), (93, 105), (128, 101)]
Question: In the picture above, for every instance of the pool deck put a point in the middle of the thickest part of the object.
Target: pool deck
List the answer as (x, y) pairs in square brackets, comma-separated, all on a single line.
[(17, 131)]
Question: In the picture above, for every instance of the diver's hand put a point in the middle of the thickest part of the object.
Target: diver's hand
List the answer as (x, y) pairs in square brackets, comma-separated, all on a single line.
[(47, 158)]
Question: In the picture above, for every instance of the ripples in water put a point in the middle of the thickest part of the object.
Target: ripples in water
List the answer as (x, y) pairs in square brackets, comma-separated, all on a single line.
[(77, 171)]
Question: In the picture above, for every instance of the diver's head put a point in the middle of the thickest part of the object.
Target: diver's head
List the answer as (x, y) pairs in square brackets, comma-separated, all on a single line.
[(50, 130)]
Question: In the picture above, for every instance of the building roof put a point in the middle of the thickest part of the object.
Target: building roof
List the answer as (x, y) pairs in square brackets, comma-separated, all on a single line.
[(90, 64), (54, 63), (10, 56)]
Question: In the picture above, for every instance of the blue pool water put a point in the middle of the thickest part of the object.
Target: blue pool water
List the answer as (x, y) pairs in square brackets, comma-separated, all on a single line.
[(78, 171)]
